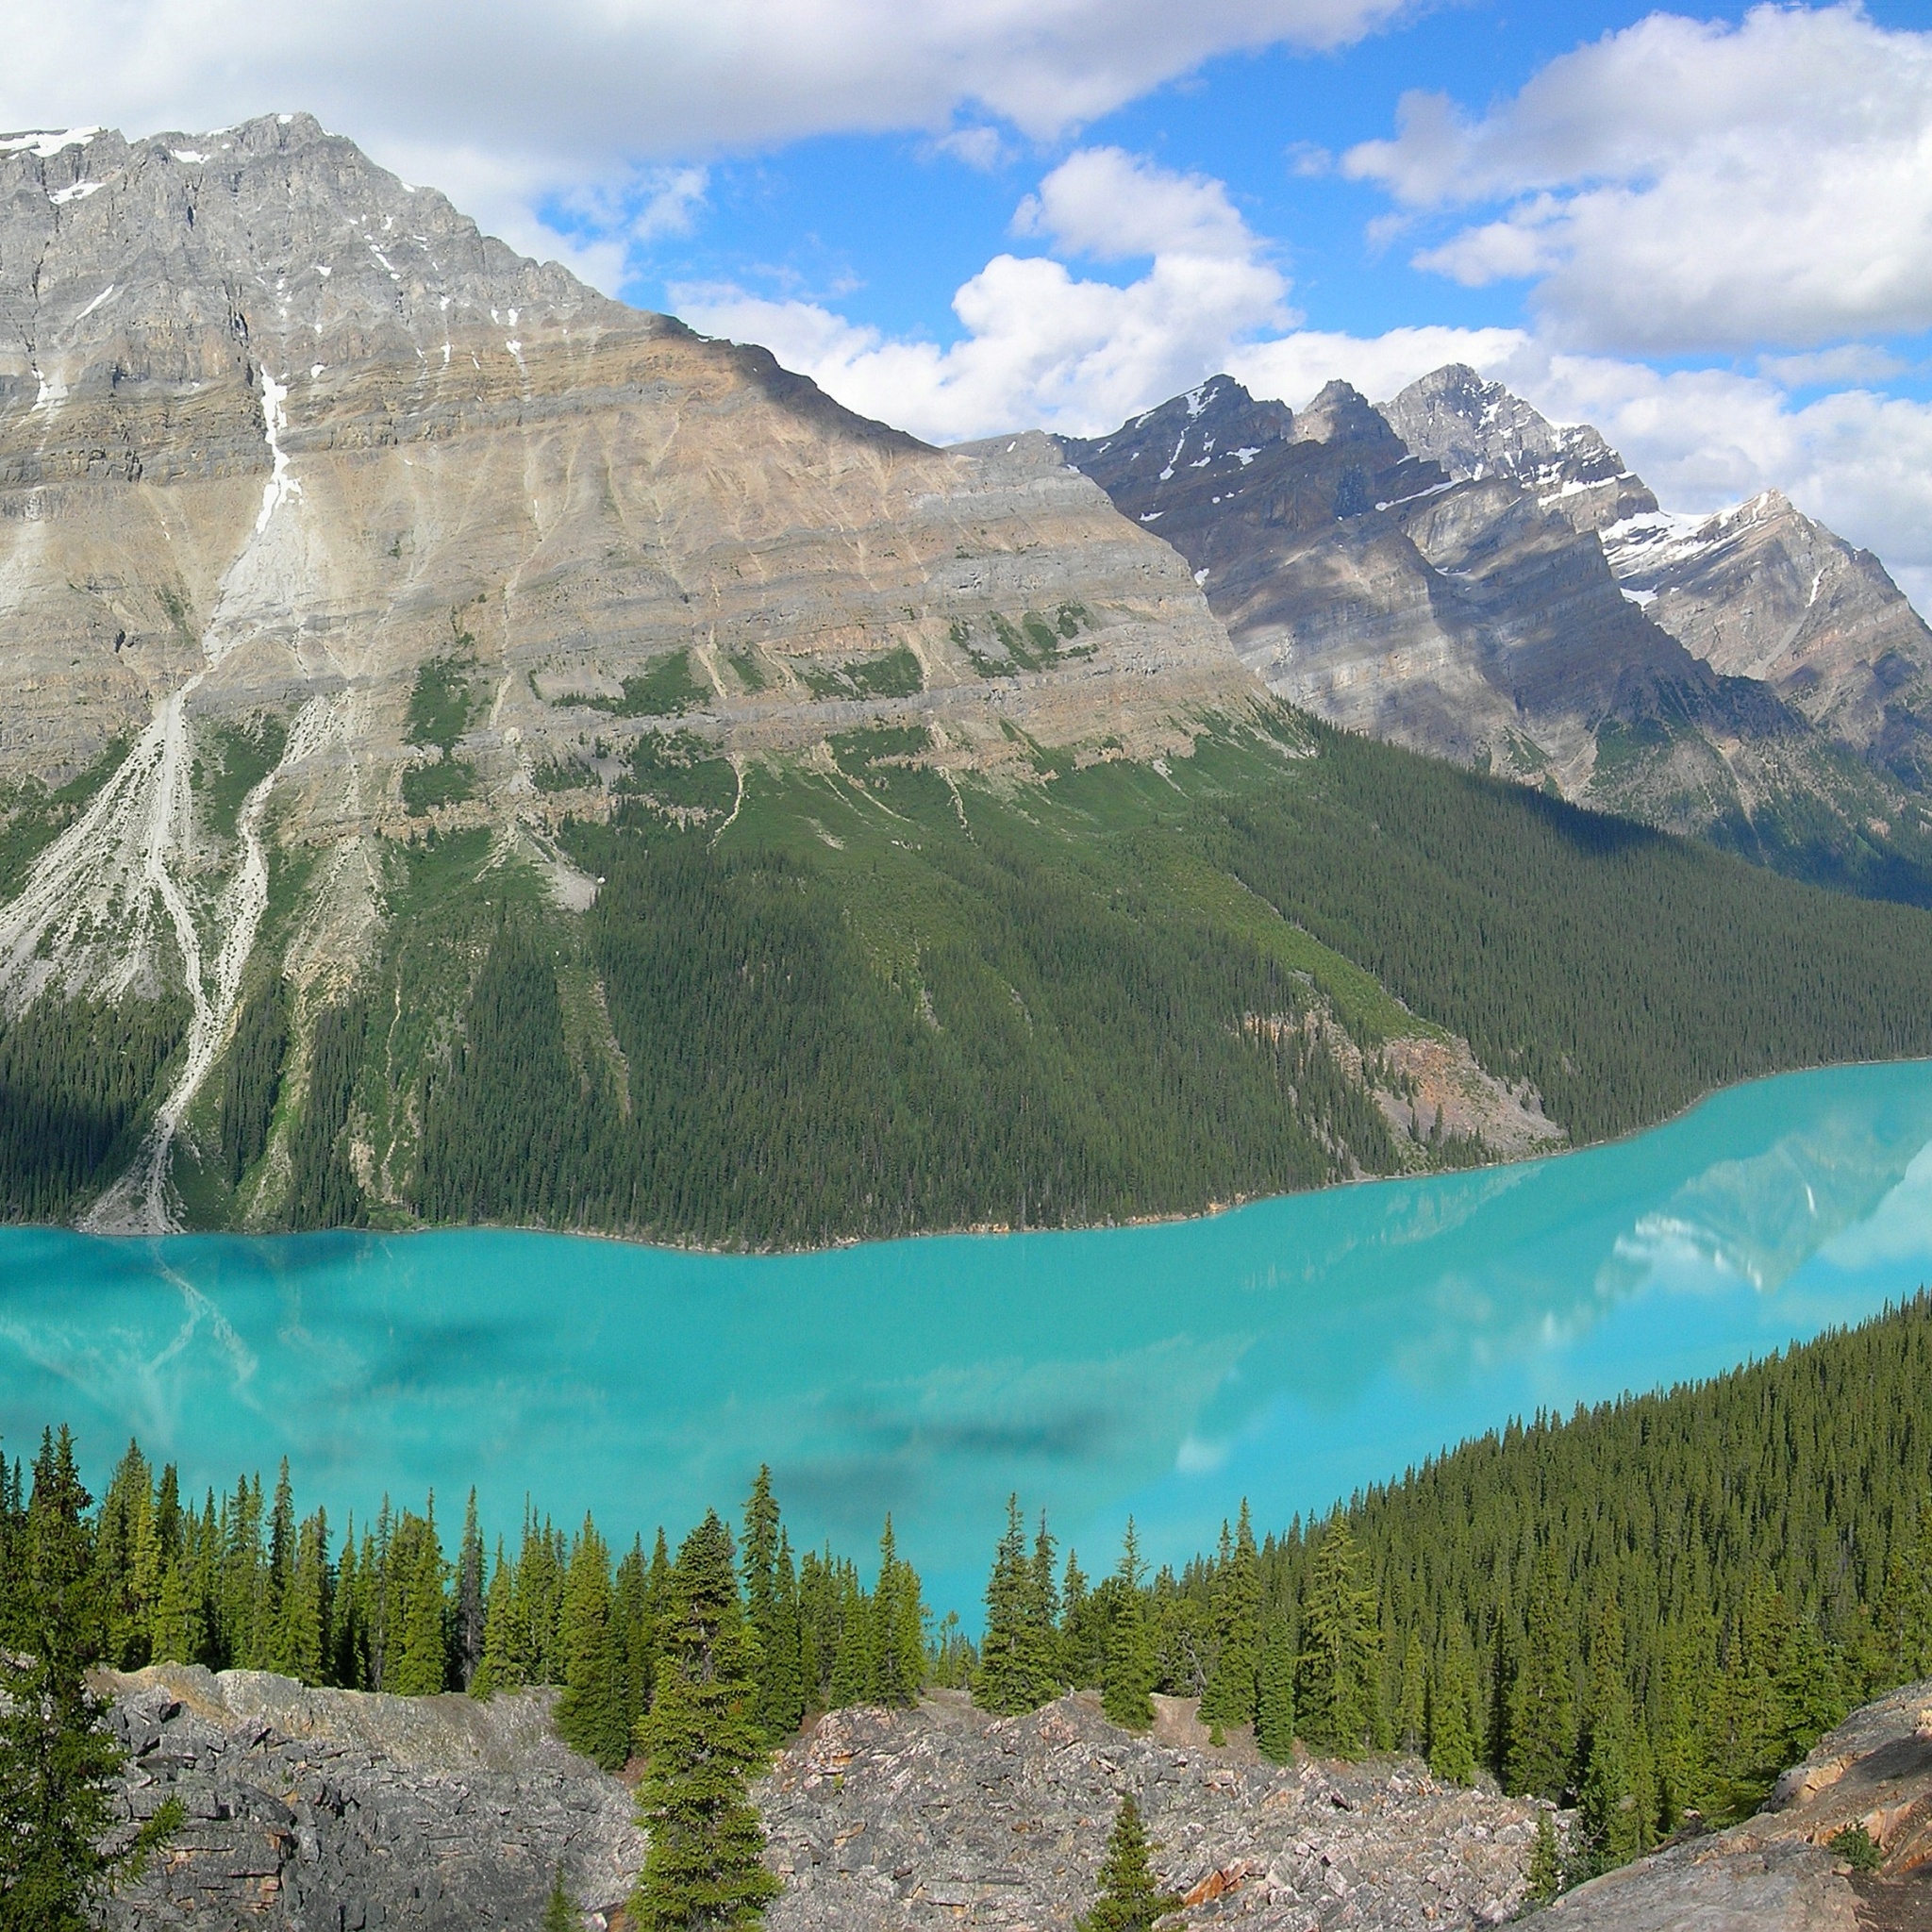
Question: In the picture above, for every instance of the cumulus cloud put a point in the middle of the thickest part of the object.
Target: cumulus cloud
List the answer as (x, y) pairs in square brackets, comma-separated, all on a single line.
[(1689, 184), (1042, 346), (500, 105)]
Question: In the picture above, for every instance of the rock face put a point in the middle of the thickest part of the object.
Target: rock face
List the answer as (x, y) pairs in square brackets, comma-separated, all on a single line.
[(1460, 616), (331, 1811), (1473, 429), (1454, 572), (943, 1817), (1763, 592), (1776, 1872)]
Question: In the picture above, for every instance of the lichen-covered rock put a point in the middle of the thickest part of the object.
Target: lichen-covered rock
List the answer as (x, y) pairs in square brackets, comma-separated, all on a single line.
[(331, 1811), (942, 1816)]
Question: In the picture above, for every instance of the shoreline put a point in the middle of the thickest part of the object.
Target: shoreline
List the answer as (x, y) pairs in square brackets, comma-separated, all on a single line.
[(1214, 1209)]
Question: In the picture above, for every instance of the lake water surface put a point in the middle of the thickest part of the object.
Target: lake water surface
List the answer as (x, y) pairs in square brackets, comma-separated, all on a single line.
[(1287, 1352)]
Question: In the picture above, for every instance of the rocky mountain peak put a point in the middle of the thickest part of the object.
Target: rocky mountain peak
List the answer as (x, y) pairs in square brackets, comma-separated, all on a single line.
[(1340, 413), (1476, 428), (148, 270)]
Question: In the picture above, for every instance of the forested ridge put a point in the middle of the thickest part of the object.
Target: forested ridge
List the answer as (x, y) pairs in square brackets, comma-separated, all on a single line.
[(1644, 1610), (872, 998)]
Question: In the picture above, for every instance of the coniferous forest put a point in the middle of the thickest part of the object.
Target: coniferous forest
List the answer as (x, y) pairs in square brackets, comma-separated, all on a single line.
[(876, 999), (1644, 1610)]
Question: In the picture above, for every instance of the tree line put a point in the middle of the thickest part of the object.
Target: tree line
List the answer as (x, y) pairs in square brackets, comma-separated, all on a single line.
[(1646, 1609)]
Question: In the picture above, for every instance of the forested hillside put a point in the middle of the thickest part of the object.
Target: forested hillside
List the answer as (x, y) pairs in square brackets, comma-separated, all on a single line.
[(869, 996), (1647, 1608)]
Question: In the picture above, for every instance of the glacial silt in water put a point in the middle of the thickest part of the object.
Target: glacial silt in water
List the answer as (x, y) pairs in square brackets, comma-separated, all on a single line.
[(1287, 1352)]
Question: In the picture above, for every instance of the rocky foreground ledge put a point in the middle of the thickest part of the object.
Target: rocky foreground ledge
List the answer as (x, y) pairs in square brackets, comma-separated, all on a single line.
[(317, 1809)]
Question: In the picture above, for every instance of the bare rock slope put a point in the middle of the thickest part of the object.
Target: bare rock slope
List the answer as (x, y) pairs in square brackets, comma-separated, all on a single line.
[(883, 1821), (333, 1809), (1777, 1872)]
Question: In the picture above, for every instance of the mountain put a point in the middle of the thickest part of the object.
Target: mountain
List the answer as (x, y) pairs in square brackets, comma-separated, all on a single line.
[(476, 752), (1454, 574)]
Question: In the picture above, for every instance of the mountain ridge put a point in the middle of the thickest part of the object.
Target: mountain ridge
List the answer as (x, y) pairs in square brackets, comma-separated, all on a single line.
[(1455, 573)]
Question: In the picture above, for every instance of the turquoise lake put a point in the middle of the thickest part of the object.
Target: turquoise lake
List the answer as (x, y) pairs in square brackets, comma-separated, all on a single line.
[(1287, 1352)]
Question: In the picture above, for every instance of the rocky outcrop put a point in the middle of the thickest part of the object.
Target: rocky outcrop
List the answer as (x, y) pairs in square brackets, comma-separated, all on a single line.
[(1764, 592), (942, 1816), (333, 1811), (1778, 1871)]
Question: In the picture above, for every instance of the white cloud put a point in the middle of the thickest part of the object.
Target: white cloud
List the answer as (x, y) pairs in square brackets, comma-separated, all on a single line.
[(499, 103), (1685, 185), (1294, 366), (1042, 346)]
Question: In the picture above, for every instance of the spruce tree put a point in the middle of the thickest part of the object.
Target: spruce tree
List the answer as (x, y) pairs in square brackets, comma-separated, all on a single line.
[(1130, 1671), (59, 1765), (471, 1610), (590, 1714), (1129, 1899), (1235, 1605), (1542, 1726), (420, 1665), (1334, 1688), (898, 1630), (1546, 1874), (777, 1663), (1412, 1706), (1275, 1701), (559, 1914), (702, 1746), (1452, 1693), (1006, 1682), (497, 1669)]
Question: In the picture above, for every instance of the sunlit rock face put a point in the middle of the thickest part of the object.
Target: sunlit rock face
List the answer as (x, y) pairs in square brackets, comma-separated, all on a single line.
[(270, 413)]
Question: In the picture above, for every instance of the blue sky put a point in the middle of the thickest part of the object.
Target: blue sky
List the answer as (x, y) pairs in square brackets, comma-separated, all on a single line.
[(1707, 229)]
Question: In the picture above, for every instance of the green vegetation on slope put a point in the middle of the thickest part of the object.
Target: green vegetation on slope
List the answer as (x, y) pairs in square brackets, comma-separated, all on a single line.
[(863, 997)]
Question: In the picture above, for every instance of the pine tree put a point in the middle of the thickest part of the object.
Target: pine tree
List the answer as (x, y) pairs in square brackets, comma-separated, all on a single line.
[(1229, 1698), (703, 1745), (59, 1765), (590, 1714), (1130, 1672), (1341, 1648), (1129, 1899), (559, 1914), (1274, 1703), (1543, 1727)]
